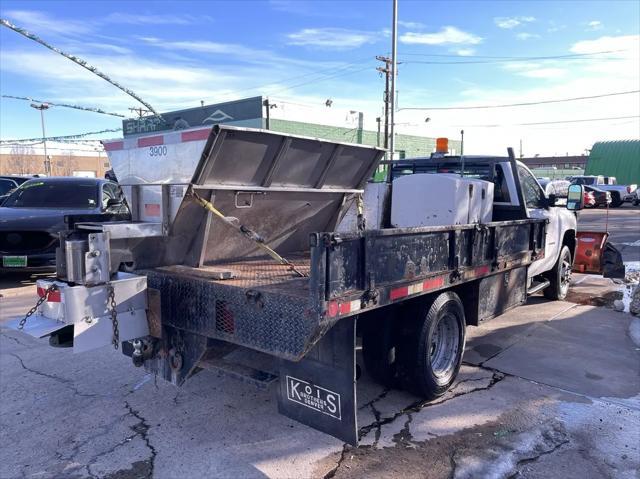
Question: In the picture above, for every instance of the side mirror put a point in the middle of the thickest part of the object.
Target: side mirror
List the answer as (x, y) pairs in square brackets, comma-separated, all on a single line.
[(575, 197), (552, 199), (111, 202)]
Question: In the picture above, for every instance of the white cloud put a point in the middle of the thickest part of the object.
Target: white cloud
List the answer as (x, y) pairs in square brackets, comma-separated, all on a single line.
[(332, 38), (546, 70), (142, 19), (527, 36), (545, 80), (447, 35), (544, 73), (42, 24), (413, 25), (595, 25), (512, 22), (466, 52)]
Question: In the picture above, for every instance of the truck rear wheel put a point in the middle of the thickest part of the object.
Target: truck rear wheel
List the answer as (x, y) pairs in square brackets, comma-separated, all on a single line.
[(379, 341), (559, 277), (430, 355)]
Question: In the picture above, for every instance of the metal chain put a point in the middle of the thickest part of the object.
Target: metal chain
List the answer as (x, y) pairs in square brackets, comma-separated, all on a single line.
[(111, 303), (41, 300)]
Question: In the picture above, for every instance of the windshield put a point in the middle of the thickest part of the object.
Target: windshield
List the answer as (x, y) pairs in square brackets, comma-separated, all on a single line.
[(6, 186), (585, 180), (58, 194)]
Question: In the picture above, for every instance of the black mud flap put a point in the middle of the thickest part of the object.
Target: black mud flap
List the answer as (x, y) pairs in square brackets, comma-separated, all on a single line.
[(320, 390), (612, 265)]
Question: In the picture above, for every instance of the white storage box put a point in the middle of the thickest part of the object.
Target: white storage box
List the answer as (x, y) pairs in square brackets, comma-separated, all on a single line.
[(440, 200)]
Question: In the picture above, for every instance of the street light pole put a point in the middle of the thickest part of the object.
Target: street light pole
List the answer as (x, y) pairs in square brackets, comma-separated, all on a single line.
[(47, 161)]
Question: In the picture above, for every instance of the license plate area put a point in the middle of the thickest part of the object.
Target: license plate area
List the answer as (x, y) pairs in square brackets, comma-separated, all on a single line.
[(14, 261)]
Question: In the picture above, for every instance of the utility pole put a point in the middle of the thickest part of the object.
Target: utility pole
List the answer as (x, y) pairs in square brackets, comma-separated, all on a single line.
[(521, 156), (47, 160), (394, 74), (386, 70), (461, 142)]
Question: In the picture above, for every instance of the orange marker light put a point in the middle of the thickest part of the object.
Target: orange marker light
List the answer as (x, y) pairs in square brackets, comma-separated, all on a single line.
[(442, 145)]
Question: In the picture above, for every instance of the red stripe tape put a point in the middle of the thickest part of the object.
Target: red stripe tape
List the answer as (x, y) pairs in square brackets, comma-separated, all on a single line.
[(433, 283), (481, 270), (151, 141), (345, 308), (114, 145), (399, 293), (196, 135)]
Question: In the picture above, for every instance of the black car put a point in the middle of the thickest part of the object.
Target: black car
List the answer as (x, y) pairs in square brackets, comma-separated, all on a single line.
[(603, 198), (9, 183), (32, 216)]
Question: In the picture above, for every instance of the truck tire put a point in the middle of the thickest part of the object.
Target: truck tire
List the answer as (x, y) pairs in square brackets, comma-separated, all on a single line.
[(616, 201), (559, 277), (430, 355), (379, 342)]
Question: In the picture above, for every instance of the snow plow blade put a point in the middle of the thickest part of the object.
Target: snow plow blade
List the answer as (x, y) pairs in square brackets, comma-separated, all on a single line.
[(594, 254)]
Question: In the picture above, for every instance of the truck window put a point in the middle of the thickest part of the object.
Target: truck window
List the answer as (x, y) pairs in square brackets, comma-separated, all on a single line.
[(533, 195), (500, 189)]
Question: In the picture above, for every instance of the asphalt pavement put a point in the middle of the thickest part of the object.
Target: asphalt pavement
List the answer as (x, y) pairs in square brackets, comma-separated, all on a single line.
[(548, 390), (623, 225)]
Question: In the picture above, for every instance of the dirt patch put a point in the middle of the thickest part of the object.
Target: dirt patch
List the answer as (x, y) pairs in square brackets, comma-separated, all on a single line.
[(500, 447), (605, 299)]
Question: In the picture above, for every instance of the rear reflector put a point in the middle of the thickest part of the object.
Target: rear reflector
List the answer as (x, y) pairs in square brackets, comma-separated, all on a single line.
[(415, 288), (335, 307)]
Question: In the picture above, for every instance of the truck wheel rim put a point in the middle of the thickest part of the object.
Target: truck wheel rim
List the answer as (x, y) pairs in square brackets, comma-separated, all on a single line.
[(444, 346), (565, 275)]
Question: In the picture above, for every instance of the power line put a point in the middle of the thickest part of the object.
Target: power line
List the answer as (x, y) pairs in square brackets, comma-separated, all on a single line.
[(321, 79), (582, 120), (540, 102), (316, 72), (551, 57), (64, 105), (63, 137), (76, 60)]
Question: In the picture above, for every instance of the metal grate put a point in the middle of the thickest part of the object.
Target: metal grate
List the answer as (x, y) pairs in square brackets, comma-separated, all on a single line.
[(225, 321), (262, 272)]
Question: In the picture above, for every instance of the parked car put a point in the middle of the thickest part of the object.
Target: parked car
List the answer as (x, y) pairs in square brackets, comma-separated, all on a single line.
[(32, 216), (601, 197), (619, 193), (10, 183), (589, 199), (559, 188)]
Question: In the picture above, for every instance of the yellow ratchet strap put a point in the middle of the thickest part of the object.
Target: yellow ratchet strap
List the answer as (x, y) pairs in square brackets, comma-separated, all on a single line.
[(247, 233)]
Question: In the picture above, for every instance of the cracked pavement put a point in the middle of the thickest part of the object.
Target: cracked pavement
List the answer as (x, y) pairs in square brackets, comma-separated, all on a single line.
[(547, 390)]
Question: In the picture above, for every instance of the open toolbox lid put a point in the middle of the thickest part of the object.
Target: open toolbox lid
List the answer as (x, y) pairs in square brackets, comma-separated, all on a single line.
[(262, 159)]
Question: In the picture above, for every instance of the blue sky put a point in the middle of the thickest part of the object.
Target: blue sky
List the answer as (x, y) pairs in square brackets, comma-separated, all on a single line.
[(175, 54)]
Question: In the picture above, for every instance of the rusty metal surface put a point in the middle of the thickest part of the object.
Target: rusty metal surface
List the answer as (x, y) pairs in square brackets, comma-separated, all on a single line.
[(589, 248), (248, 273)]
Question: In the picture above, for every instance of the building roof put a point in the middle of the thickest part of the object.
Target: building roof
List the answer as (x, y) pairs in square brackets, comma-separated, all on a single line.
[(615, 158)]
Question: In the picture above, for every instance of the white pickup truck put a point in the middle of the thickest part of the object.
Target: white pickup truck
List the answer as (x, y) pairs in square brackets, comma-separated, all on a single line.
[(512, 191), (619, 193)]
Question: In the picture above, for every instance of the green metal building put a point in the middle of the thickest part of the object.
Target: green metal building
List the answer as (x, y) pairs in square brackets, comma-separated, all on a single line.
[(615, 158), (407, 146)]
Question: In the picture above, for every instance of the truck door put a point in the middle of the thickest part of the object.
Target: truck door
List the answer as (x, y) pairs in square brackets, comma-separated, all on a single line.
[(537, 207)]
